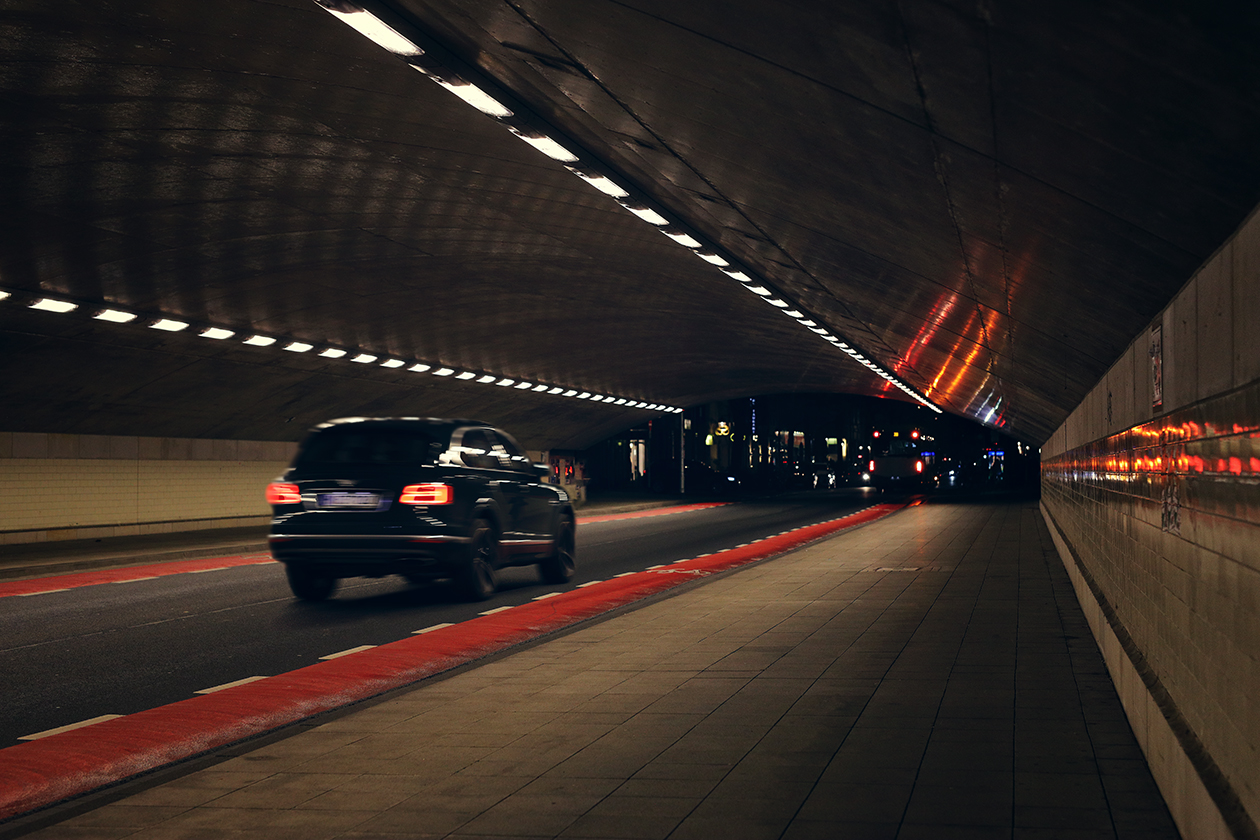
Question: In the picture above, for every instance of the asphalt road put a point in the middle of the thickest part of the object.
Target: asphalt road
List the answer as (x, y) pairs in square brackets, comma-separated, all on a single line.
[(121, 648)]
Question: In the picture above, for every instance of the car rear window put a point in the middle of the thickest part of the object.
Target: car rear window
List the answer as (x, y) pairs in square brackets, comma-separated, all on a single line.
[(368, 446)]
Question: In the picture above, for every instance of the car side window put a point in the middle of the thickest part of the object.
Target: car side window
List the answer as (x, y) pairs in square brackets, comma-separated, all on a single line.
[(477, 450), (510, 451)]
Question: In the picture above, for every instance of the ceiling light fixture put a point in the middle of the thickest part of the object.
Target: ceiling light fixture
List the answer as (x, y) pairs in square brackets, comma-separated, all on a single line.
[(298, 347), (364, 358), (443, 372), (217, 333), (546, 145), (115, 316), (393, 363), (370, 26), (473, 95), (332, 353), (682, 239), (260, 341), (420, 367), (486, 379), (51, 305), (601, 182), (465, 375), (168, 325), (647, 214)]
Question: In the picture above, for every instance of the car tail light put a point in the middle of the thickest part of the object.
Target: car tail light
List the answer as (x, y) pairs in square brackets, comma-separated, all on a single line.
[(283, 494), (872, 466), (426, 494), (918, 466)]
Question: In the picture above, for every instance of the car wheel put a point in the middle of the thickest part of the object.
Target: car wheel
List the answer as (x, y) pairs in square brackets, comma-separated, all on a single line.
[(476, 574), (560, 566), (308, 585)]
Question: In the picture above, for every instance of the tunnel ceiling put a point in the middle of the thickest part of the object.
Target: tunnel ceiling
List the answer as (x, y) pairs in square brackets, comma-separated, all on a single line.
[(987, 199)]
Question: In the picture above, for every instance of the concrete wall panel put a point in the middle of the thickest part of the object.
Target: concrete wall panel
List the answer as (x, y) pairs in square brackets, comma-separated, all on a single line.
[(59, 487)]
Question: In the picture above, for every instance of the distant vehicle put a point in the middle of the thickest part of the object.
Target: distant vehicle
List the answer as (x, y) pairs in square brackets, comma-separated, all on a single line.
[(705, 479), (899, 462), (422, 498)]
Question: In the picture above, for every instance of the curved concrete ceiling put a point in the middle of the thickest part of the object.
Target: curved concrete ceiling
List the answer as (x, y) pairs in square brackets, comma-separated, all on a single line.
[(988, 200)]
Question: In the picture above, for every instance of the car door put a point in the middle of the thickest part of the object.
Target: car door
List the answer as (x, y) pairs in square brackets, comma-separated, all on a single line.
[(534, 499)]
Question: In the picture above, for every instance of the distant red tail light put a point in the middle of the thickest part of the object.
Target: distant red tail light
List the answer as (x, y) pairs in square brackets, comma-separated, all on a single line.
[(283, 494), (918, 466), (871, 467), (427, 494)]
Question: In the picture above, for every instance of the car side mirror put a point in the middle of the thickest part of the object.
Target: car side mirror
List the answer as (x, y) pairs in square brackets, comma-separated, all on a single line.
[(543, 470)]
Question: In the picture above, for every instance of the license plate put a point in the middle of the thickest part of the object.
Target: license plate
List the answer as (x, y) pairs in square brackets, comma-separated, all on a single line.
[(349, 500)]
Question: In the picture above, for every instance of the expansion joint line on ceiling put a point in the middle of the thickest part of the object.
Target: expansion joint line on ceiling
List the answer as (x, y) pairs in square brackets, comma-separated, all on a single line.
[(398, 33), (575, 62), (942, 177)]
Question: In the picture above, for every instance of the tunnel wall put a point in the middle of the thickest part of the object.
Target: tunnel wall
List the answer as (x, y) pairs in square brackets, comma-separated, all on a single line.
[(63, 487), (1151, 489)]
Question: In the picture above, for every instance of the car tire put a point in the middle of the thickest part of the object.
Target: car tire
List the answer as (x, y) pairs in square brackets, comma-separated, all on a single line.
[(475, 577), (308, 585), (562, 564)]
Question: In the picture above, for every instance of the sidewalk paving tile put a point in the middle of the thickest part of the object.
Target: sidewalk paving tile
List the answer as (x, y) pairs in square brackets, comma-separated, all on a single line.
[(818, 695)]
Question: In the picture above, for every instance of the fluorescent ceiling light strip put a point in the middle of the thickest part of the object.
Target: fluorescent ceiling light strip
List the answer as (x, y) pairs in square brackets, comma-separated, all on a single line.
[(474, 96), (257, 340), (375, 30), (602, 183), (647, 214), (168, 325), (51, 305), (547, 146), (712, 259), (115, 316), (682, 239), (217, 333)]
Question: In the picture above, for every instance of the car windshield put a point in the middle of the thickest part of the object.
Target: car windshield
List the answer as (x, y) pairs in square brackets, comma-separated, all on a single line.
[(368, 446)]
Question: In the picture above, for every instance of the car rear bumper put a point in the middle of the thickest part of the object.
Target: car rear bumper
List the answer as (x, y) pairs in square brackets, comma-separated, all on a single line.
[(358, 554)]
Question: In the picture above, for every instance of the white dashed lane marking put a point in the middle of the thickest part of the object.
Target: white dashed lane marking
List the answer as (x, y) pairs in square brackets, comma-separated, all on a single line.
[(431, 628), (495, 610), (68, 727), (232, 684), (342, 653)]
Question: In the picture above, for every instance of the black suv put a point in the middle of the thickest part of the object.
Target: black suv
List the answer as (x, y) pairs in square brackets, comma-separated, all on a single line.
[(422, 498)]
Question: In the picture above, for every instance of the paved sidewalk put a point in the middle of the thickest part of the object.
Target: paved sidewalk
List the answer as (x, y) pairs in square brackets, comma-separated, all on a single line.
[(926, 676)]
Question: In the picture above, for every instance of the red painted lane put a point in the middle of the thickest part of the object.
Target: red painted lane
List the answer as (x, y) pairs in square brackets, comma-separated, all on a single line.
[(39, 773), (74, 580), (661, 511), (56, 583)]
